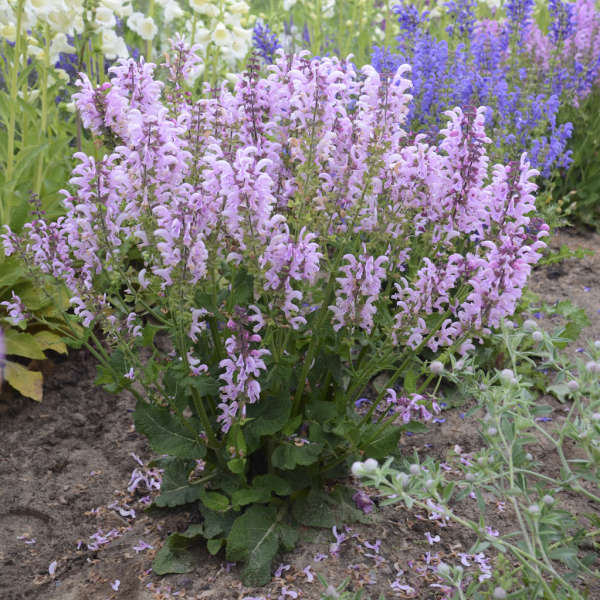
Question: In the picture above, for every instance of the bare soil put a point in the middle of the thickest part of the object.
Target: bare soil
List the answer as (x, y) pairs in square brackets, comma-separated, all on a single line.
[(64, 462)]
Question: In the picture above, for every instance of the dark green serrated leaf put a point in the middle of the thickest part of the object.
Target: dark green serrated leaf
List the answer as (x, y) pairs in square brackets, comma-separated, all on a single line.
[(380, 443), (288, 536), (214, 501), (266, 418), (166, 435), (254, 540), (213, 546), (175, 555), (313, 510), (262, 488), (287, 456), (216, 523), (175, 489)]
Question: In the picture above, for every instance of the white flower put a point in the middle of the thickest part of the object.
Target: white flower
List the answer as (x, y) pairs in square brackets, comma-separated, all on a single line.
[(112, 45), (327, 8), (147, 29), (239, 48), (358, 469), (9, 32), (436, 367), (62, 75), (202, 35), (241, 33), (370, 465), (134, 21), (59, 44), (232, 77), (35, 52), (221, 36), (171, 11), (197, 4), (121, 8), (288, 4), (239, 8), (210, 10), (105, 18)]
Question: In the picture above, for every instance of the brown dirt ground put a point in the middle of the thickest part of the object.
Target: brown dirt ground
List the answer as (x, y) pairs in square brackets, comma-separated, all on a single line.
[(64, 461)]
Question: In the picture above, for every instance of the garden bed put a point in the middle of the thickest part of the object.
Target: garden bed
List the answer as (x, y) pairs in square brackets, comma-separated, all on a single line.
[(64, 462)]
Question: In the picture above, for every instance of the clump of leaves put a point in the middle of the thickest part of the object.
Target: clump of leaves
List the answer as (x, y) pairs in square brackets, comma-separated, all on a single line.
[(26, 345)]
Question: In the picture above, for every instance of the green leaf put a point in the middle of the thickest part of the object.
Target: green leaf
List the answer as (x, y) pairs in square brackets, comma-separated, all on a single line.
[(254, 540), (321, 411), (237, 465), (262, 488), (383, 444), (175, 555), (166, 435), (313, 510), (410, 381), (48, 340), (176, 489), (148, 334), (19, 343), (213, 546), (288, 456), (318, 508), (11, 272), (288, 536), (27, 383), (242, 292), (216, 523), (560, 391), (267, 417), (214, 501)]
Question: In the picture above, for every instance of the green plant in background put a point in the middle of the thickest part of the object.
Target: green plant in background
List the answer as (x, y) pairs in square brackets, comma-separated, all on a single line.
[(576, 192), (555, 549)]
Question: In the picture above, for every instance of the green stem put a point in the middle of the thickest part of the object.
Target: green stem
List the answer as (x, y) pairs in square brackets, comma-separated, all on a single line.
[(44, 123), (12, 114)]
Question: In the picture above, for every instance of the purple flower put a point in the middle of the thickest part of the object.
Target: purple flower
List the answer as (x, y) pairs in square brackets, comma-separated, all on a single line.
[(363, 502), (141, 546), (16, 309)]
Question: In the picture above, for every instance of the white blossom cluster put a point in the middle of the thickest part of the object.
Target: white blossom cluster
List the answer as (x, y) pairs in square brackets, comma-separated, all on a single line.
[(51, 27), (224, 25)]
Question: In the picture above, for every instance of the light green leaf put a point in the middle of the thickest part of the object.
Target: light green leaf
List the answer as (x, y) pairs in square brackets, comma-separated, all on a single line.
[(27, 383), (19, 343)]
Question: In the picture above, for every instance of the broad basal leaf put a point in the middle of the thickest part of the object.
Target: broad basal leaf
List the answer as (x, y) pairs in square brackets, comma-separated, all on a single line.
[(175, 489), (287, 456), (254, 540), (165, 433), (175, 555)]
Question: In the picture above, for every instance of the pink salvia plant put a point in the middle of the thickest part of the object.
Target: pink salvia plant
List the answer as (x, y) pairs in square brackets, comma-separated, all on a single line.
[(291, 242)]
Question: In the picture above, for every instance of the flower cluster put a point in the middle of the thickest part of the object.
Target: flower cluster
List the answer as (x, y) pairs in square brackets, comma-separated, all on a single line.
[(489, 63), (234, 214)]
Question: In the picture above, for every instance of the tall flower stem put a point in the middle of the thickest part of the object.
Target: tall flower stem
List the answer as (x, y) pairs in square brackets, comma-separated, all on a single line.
[(12, 117), (44, 122)]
